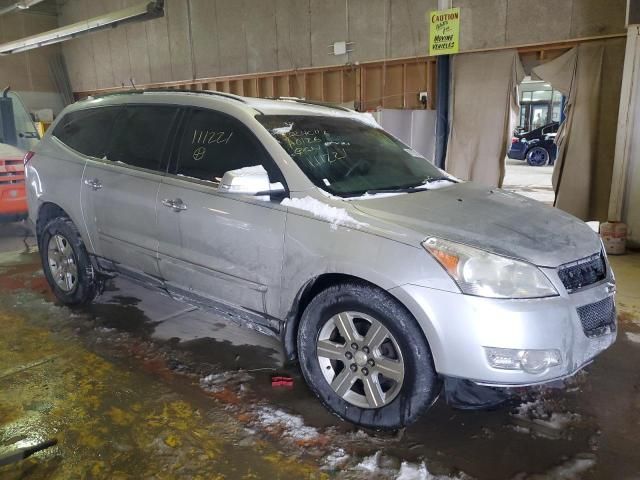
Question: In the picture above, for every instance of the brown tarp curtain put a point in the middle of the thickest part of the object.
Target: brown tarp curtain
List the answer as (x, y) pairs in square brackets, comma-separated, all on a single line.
[(589, 76), (484, 114)]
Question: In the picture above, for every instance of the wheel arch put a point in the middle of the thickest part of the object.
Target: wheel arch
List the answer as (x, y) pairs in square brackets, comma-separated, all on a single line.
[(305, 294), (49, 210)]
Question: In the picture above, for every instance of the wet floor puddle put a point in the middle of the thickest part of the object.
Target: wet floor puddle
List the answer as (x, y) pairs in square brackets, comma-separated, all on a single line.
[(124, 403)]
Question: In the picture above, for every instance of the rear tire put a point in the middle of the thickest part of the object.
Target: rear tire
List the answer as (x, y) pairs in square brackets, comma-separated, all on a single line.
[(538, 157), (365, 357), (66, 263)]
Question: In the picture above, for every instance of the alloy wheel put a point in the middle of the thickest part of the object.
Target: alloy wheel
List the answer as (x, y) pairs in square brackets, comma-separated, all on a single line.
[(360, 359), (62, 263)]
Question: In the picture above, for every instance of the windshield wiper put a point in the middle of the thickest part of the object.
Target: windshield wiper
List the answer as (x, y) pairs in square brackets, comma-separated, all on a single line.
[(395, 190), (410, 189), (437, 179)]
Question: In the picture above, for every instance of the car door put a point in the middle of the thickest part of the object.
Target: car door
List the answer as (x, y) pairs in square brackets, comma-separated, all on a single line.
[(222, 247), (119, 190)]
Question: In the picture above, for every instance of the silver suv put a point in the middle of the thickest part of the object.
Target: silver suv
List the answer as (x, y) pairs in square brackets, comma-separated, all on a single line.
[(382, 274)]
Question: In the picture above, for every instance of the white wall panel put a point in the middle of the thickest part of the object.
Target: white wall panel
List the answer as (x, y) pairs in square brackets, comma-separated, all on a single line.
[(230, 37), (293, 28), (206, 47)]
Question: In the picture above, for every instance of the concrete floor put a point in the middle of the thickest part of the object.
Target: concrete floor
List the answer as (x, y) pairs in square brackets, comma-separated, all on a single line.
[(532, 182), (15, 237), (140, 386)]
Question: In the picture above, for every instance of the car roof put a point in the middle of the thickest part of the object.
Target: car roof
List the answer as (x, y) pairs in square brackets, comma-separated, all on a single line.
[(273, 106)]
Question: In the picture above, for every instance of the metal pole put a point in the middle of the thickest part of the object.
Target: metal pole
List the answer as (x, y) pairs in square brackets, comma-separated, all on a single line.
[(442, 109)]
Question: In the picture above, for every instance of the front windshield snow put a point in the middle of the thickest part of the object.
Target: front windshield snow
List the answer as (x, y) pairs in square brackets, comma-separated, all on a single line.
[(348, 157)]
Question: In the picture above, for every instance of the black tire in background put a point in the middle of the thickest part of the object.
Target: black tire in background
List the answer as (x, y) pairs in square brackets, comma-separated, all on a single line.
[(421, 385), (538, 157), (87, 284)]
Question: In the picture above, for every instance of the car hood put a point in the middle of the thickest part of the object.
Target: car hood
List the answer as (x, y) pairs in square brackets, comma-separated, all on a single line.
[(491, 219)]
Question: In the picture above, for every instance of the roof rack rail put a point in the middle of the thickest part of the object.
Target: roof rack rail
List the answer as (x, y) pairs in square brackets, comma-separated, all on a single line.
[(171, 90), (312, 102), (205, 92)]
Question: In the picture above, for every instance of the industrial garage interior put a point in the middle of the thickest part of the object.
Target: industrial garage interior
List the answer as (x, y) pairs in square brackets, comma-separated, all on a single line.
[(318, 239)]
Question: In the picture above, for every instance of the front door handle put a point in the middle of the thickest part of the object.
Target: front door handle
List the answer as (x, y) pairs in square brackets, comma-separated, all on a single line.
[(93, 183), (177, 205)]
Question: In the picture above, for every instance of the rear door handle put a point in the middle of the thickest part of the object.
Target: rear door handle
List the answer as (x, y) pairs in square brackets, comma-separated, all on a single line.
[(177, 205), (93, 183)]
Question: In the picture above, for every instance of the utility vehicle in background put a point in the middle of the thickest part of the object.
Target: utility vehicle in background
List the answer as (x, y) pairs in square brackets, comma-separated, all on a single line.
[(18, 135)]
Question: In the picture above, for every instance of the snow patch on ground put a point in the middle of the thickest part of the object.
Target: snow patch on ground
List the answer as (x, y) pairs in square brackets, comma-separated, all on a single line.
[(633, 337), (573, 468), (412, 471), (217, 382), (559, 421), (335, 216), (369, 464), (373, 465), (415, 471), (335, 459), (534, 417), (292, 426), (527, 410)]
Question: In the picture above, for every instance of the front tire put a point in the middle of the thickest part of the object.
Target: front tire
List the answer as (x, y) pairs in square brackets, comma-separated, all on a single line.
[(66, 263), (364, 356)]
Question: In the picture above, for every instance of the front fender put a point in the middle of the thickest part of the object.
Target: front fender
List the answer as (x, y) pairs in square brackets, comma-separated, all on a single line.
[(314, 247)]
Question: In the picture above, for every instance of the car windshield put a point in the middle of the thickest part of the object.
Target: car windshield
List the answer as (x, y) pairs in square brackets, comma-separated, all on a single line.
[(349, 157)]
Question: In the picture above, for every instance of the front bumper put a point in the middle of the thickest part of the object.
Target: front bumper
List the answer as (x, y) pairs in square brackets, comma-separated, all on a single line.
[(458, 328)]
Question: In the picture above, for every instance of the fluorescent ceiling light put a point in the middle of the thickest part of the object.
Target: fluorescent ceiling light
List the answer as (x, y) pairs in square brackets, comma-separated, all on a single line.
[(140, 12), (23, 5)]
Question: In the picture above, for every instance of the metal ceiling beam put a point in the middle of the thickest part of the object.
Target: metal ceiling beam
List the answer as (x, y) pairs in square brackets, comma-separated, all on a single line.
[(22, 5), (137, 13)]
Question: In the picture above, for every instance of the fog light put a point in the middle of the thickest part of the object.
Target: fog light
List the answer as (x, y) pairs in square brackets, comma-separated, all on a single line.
[(531, 361)]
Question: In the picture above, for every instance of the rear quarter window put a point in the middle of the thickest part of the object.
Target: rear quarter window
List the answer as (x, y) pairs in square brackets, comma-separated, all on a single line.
[(87, 131)]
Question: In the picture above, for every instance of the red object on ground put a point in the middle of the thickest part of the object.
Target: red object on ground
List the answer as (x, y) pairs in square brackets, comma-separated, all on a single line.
[(280, 381)]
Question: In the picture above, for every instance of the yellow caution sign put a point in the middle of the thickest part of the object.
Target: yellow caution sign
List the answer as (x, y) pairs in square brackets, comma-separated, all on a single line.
[(444, 31)]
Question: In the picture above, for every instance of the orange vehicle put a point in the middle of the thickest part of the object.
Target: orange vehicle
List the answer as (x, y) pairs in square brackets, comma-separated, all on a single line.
[(13, 198)]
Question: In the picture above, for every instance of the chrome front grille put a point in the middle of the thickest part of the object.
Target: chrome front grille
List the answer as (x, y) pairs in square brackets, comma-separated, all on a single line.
[(583, 272), (598, 318)]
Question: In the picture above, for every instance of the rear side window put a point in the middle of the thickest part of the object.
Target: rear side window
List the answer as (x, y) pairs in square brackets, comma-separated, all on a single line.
[(87, 131), (213, 143), (141, 134)]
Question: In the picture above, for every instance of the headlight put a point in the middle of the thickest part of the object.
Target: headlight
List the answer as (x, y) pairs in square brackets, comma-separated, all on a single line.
[(488, 275)]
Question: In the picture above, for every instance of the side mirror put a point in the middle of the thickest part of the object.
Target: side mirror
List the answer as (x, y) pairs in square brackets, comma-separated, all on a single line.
[(252, 181)]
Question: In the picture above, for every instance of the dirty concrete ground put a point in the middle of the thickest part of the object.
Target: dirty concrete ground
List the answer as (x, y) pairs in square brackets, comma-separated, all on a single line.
[(138, 385), (15, 237)]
